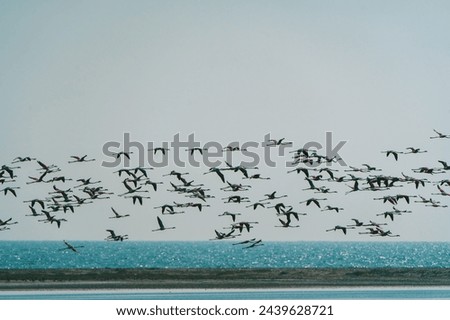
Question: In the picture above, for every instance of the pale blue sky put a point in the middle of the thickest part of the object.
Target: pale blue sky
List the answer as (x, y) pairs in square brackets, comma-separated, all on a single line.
[(77, 74)]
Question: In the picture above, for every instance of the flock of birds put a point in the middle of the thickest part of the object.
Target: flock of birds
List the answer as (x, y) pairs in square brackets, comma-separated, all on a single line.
[(316, 170)]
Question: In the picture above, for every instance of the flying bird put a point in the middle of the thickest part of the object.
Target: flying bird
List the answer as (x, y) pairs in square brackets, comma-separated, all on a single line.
[(161, 226), (117, 215), (440, 135), (70, 247)]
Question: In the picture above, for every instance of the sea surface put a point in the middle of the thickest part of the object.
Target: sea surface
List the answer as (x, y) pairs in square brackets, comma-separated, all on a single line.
[(217, 254)]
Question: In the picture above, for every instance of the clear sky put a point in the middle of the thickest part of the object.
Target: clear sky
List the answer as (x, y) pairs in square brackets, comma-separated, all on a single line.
[(75, 75)]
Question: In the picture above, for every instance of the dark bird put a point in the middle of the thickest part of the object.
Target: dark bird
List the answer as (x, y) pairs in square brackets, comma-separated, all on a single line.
[(130, 189), (444, 164), (440, 135), (161, 226), (115, 237), (11, 190), (199, 206), (357, 223), (257, 176), (415, 150), (223, 235), (257, 204), (428, 170), (273, 196), (219, 173), (370, 168), (391, 199), (441, 192), (235, 187), (382, 233), (279, 206), (165, 207), (277, 142), (245, 241), (160, 149), (232, 215), (48, 168), (199, 150), (313, 200), (70, 247), (178, 175), (344, 229), (33, 212), (137, 198), (153, 184), (38, 201), (117, 215), (290, 212), (286, 224), (329, 208), (243, 224), (256, 243), (50, 219), (80, 159), (86, 182), (22, 159), (233, 148), (394, 153), (7, 222), (9, 170), (311, 185), (329, 171), (353, 188), (403, 196), (124, 154), (298, 170)]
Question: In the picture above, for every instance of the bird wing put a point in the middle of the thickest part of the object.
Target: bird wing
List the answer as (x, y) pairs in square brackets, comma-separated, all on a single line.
[(220, 174), (115, 212), (160, 223), (42, 165), (311, 184), (443, 163)]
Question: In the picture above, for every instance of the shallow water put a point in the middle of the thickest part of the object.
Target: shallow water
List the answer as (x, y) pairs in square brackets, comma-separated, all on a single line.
[(362, 293)]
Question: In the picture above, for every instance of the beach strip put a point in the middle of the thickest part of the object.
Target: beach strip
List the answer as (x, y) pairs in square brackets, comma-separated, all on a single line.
[(23, 279)]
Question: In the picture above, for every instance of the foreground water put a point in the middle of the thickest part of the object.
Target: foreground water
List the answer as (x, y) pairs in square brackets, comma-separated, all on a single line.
[(128, 254), (263, 294)]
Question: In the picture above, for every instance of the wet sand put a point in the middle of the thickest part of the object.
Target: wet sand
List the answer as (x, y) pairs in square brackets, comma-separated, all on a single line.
[(218, 278)]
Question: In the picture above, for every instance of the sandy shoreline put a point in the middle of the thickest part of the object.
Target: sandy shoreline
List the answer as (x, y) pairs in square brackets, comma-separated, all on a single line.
[(40, 279)]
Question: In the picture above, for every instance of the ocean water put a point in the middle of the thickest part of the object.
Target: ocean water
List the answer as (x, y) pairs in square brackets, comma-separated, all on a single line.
[(129, 254)]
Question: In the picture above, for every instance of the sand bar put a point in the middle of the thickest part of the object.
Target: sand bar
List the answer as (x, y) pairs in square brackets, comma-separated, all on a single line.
[(219, 278)]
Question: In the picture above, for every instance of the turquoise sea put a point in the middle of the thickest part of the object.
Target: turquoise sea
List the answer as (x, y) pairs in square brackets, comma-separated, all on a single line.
[(216, 254), (128, 254)]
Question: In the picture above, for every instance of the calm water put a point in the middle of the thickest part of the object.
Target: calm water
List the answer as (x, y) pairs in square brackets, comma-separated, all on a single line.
[(128, 254), (315, 294)]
